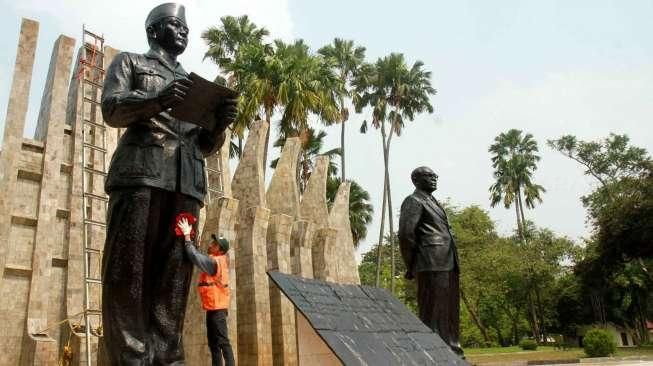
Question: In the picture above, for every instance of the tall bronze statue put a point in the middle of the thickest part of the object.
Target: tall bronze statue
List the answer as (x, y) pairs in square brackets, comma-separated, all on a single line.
[(429, 252), (156, 172)]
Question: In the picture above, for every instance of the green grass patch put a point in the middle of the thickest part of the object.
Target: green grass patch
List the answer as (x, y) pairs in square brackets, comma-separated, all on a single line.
[(481, 356)]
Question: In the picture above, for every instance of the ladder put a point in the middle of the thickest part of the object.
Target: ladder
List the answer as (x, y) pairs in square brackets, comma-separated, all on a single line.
[(94, 171), (214, 174)]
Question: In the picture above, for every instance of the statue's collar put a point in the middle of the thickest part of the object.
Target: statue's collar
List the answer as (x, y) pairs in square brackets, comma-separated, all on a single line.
[(153, 54), (424, 194)]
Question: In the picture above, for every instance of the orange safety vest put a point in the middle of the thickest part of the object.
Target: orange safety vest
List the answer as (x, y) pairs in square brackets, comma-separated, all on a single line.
[(214, 290)]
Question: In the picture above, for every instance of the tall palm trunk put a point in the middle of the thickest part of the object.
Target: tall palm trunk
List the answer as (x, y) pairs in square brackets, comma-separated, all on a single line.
[(540, 309), (386, 159), (342, 150), (521, 209), (520, 224), (342, 134), (268, 118), (533, 317), (378, 249)]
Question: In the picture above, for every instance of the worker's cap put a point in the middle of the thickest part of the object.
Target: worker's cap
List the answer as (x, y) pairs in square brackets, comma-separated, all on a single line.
[(223, 243), (164, 11)]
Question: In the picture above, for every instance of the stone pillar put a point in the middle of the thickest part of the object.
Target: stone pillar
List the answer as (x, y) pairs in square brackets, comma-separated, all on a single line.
[(324, 254), (282, 311), (283, 194), (315, 210), (314, 204), (253, 300), (75, 269), (249, 179), (301, 256), (254, 323), (14, 126), (346, 254), (51, 121), (220, 219)]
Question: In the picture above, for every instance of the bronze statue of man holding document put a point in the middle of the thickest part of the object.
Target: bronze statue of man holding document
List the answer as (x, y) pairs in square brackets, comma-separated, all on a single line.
[(172, 120)]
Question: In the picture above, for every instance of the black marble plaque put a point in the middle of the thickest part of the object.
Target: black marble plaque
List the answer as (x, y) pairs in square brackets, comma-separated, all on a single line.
[(365, 325)]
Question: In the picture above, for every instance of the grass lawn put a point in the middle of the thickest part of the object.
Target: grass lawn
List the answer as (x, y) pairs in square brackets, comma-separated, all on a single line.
[(480, 356)]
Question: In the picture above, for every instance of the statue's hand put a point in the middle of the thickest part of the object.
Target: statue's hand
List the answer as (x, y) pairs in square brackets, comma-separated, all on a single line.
[(226, 113), (174, 93)]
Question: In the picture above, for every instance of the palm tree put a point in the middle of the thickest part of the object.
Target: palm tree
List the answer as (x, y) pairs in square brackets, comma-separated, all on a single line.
[(514, 160), (360, 209), (285, 76), (224, 44), (395, 92), (346, 59), (225, 41)]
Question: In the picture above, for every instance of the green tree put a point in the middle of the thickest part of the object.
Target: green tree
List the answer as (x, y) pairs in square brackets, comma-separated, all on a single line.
[(346, 59), (475, 235), (514, 159), (224, 43), (395, 92), (360, 209), (620, 209), (543, 254), (288, 77), (406, 291), (225, 40)]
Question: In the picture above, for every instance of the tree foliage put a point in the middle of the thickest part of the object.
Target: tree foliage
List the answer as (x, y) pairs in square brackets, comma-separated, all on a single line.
[(612, 275), (360, 209), (514, 159), (346, 59)]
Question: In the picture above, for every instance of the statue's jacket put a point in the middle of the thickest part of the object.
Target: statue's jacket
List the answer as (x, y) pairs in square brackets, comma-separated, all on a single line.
[(425, 237), (156, 150)]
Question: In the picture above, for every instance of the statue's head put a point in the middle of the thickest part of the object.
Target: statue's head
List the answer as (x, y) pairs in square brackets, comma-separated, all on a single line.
[(166, 26), (425, 179)]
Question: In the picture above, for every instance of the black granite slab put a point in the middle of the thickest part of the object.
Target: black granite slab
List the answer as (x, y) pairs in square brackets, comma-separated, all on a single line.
[(365, 325)]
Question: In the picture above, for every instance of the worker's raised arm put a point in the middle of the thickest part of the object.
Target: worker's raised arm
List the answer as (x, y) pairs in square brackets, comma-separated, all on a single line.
[(201, 260)]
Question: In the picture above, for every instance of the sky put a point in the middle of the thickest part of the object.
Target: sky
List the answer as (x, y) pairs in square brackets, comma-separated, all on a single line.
[(548, 68)]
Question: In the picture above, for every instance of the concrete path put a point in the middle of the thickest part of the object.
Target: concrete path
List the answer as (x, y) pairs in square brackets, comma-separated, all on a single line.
[(610, 363)]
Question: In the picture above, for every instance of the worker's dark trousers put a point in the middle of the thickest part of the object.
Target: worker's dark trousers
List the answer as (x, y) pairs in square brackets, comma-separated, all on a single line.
[(218, 336), (145, 277), (438, 302)]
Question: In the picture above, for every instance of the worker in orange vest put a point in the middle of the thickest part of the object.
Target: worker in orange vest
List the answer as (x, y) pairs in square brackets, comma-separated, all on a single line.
[(213, 288)]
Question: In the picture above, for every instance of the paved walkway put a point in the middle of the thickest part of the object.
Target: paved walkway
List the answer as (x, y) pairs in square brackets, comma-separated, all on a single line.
[(607, 361), (611, 363)]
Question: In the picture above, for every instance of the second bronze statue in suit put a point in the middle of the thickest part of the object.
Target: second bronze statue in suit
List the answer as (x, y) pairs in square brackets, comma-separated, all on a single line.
[(429, 251)]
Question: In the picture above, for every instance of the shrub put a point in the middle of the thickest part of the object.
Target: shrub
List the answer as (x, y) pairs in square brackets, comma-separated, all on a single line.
[(599, 343), (528, 345)]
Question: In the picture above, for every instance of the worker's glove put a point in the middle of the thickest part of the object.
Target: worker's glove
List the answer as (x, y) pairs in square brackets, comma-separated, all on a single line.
[(184, 226)]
